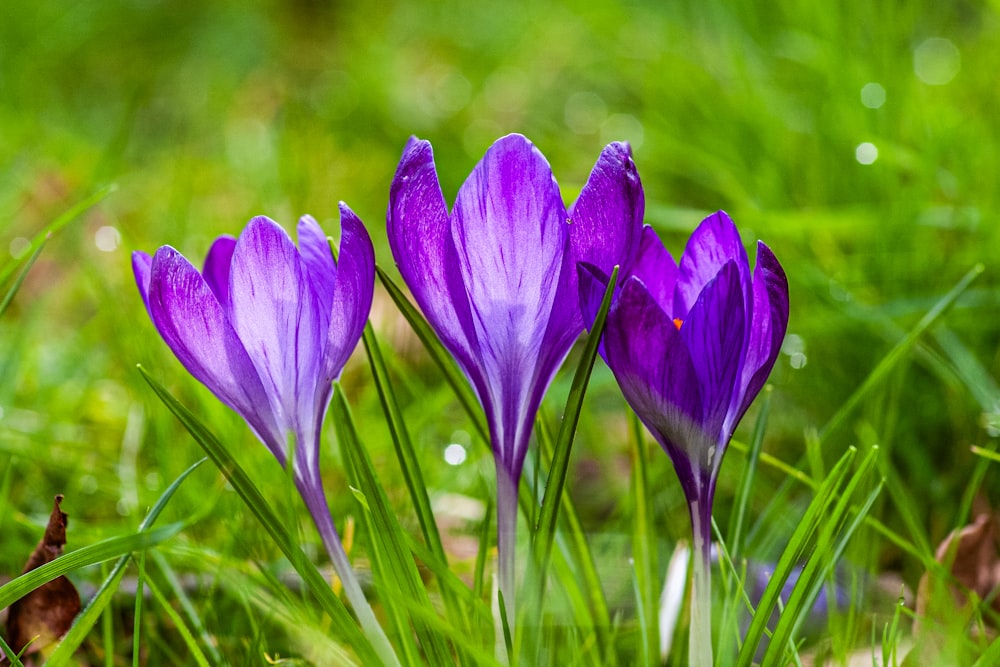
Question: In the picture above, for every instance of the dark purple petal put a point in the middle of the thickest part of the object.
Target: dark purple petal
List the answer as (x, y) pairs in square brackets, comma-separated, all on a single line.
[(656, 268), (768, 327), (715, 334), (276, 314), (654, 369), (606, 219), (317, 257), (141, 263), (192, 323), (352, 298), (216, 268), (592, 285), (714, 242), (420, 238), (509, 230)]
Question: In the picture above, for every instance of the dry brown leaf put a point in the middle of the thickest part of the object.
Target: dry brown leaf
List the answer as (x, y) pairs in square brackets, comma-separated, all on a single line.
[(44, 615), (946, 606)]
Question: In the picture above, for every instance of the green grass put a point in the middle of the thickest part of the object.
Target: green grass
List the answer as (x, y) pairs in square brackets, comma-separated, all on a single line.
[(137, 124)]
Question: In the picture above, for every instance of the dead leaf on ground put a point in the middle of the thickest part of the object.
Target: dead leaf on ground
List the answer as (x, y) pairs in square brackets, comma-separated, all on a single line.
[(44, 615), (946, 606)]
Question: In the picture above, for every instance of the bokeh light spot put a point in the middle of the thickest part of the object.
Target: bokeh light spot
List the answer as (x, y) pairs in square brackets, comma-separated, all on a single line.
[(872, 95), (936, 61), (866, 153), (454, 454), (107, 238)]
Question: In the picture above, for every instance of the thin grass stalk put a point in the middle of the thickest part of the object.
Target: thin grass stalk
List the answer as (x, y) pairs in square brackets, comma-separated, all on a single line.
[(372, 646)]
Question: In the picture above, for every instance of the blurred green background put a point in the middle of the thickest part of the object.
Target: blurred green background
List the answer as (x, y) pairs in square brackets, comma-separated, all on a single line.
[(859, 140)]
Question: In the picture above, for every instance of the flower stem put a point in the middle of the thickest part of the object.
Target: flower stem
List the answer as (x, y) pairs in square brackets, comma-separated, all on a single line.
[(506, 540), (315, 498), (700, 647)]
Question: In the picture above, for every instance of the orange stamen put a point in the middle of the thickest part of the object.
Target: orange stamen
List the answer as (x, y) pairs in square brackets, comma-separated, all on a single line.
[(678, 322)]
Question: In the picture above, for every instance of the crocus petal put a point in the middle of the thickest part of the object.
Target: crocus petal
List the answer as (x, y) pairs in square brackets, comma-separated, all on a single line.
[(715, 242), (352, 298), (767, 328), (276, 314), (317, 257), (216, 268), (606, 219), (509, 230), (191, 321), (654, 369), (420, 239), (656, 268), (605, 224), (715, 334), (592, 285), (141, 263)]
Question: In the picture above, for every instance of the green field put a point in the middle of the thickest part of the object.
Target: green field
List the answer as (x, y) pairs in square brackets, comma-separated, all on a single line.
[(855, 139)]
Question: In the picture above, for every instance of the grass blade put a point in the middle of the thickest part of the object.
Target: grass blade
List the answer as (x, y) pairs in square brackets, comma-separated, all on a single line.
[(829, 546), (20, 277), (798, 545), (275, 527), (387, 536), (452, 375), (643, 554), (83, 557), (890, 360), (742, 499), (545, 529), (57, 224), (88, 617)]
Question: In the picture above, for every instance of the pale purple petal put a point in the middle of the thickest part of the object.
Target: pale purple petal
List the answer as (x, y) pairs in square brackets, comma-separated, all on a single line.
[(216, 268), (509, 228), (715, 334), (656, 268), (420, 238), (192, 323), (352, 298), (713, 243), (141, 263), (317, 257), (276, 315)]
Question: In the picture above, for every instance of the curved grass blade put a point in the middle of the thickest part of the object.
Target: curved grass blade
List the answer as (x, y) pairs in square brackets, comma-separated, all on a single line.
[(545, 529), (742, 500), (192, 645), (88, 617), (175, 588), (57, 224), (890, 360), (387, 536), (643, 558), (20, 277), (798, 545), (343, 622), (452, 375), (830, 543), (89, 555)]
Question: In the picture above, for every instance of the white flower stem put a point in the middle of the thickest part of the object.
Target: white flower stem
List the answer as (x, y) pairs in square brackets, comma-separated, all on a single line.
[(700, 647)]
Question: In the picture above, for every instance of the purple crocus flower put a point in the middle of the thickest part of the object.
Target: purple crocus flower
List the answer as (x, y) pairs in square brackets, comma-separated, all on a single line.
[(268, 327), (496, 278), (691, 345)]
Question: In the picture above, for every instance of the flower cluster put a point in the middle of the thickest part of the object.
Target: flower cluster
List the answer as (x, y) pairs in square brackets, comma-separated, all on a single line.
[(508, 279)]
